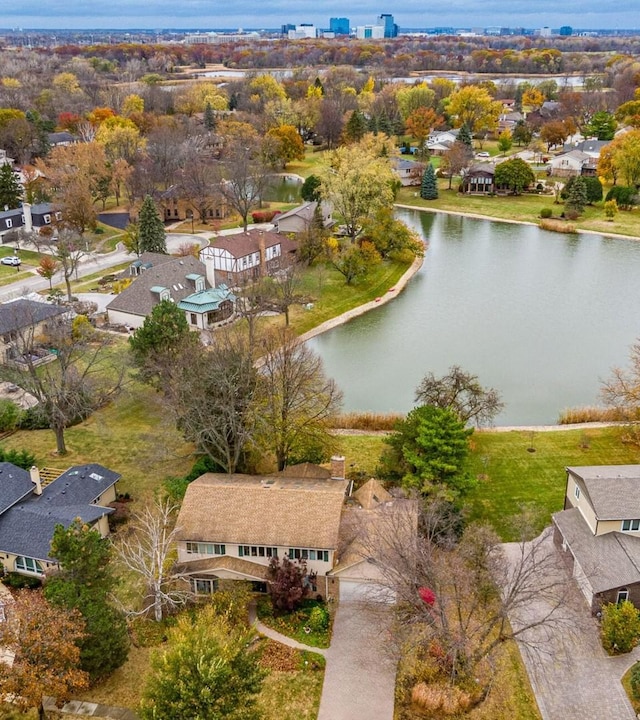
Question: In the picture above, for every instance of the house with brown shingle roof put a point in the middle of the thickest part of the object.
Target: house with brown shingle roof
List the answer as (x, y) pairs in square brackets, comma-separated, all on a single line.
[(599, 532), (244, 257), (230, 526)]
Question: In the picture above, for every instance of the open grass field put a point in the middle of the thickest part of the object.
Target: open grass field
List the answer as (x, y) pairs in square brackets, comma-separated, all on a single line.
[(512, 479)]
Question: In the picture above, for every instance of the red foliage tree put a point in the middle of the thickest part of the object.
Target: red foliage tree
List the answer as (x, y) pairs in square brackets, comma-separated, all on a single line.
[(288, 583)]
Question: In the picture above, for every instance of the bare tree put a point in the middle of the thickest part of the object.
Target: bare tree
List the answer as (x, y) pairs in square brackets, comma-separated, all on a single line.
[(461, 392), (212, 395), (147, 551), (85, 375), (459, 602), (297, 401), (199, 180), (285, 286)]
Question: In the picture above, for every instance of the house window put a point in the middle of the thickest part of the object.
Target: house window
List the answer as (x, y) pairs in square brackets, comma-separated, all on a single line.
[(194, 548), (257, 551), (576, 492), (204, 586), (27, 564), (194, 318), (630, 525), (305, 554), (623, 594), (9, 222)]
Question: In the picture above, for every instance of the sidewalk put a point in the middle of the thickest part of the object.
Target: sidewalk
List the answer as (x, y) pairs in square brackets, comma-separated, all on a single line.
[(278, 637)]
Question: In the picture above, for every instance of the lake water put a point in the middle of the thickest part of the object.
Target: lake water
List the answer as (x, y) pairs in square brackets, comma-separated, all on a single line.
[(540, 316)]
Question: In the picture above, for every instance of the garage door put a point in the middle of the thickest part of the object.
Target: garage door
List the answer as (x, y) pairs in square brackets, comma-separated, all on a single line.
[(359, 591)]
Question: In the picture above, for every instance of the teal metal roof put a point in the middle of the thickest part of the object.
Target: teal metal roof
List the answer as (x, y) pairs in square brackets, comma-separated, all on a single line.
[(193, 276), (207, 300)]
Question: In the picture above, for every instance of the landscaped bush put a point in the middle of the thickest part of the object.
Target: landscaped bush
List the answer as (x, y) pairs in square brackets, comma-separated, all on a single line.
[(634, 680), (620, 627), (546, 213), (624, 195), (437, 701), (571, 214), (9, 415), (264, 216), (592, 185), (22, 458), (33, 419), (17, 581), (318, 619)]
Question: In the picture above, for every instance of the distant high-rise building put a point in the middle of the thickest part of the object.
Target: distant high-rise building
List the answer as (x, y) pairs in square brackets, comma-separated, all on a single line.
[(544, 32), (340, 26), (390, 28), (370, 32), (287, 27), (566, 30)]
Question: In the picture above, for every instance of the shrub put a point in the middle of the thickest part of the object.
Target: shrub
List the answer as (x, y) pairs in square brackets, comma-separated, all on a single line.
[(546, 213), (9, 415), (634, 680), (624, 195), (318, 619), (620, 627), (572, 214), (176, 487), (17, 581), (264, 216), (557, 226), (592, 186), (21, 458), (33, 419)]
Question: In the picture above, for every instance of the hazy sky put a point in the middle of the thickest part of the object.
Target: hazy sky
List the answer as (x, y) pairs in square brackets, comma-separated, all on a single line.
[(159, 14)]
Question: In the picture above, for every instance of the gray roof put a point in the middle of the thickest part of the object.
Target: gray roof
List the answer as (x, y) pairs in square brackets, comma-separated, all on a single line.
[(305, 211), (171, 274), (609, 561), (612, 490), (25, 313), (27, 527), (15, 484)]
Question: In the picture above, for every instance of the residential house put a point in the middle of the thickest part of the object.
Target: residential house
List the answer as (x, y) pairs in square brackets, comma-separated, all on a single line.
[(590, 146), (4, 159), (568, 164), (30, 509), (299, 219), (28, 217), (209, 308), (230, 526), (599, 532), (241, 258), (22, 321), (440, 141), (157, 277), (479, 180), (61, 139), (508, 120), (408, 172), (177, 206)]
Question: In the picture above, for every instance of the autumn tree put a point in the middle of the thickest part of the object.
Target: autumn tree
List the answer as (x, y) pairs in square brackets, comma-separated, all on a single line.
[(45, 641), (10, 189), (153, 237), (455, 160), (198, 179), (390, 236), (47, 268), (148, 551), (287, 145), (288, 583), (85, 376), (84, 582), (505, 141), (554, 133), (474, 107), (209, 669), (626, 157), (462, 393), (622, 391), (420, 124), (410, 99), (357, 180), (353, 261), (296, 402), (131, 239), (514, 174)]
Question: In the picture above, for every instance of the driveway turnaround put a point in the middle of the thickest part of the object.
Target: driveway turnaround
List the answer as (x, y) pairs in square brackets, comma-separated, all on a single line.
[(571, 675), (359, 680)]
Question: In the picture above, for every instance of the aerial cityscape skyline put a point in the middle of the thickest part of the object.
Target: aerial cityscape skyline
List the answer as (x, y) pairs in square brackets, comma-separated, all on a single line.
[(158, 14)]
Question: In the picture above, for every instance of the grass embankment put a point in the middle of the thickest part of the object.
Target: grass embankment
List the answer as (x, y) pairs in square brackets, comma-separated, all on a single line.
[(520, 208), (512, 478)]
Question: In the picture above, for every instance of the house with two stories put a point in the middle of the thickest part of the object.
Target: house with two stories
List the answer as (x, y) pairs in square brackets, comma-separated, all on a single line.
[(230, 526), (241, 258), (22, 322), (598, 532), (30, 509), (408, 172), (30, 218), (175, 205), (299, 219), (479, 180), (181, 280)]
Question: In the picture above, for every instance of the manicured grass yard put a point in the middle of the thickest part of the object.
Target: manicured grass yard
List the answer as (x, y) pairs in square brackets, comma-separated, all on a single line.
[(512, 478)]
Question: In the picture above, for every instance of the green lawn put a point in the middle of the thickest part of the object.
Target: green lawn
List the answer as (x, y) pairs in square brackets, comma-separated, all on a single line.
[(511, 478)]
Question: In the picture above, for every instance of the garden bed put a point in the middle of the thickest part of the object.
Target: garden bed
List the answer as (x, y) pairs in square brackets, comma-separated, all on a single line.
[(309, 624)]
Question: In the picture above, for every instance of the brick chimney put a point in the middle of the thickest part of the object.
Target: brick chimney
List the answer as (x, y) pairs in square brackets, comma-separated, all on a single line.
[(337, 467), (35, 479)]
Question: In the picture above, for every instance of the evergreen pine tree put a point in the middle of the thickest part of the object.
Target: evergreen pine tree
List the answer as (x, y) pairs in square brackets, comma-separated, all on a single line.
[(209, 117), (577, 195), (152, 235), (356, 127), (464, 136), (10, 189), (429, 187)]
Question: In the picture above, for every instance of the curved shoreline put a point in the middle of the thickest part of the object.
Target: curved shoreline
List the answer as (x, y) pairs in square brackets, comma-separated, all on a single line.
[(491, 218), (371, 305)]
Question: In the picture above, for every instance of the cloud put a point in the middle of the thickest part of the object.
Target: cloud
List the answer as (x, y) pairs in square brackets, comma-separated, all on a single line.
[(271, 13)]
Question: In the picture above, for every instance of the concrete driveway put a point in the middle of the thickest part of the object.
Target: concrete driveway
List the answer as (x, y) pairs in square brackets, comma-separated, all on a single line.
[(571, 675), (359, 680)]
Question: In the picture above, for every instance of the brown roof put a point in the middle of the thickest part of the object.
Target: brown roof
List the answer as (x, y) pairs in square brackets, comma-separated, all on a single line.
[(371, 494), (241, 244), (225, 562), (273, 510), (170, 273)]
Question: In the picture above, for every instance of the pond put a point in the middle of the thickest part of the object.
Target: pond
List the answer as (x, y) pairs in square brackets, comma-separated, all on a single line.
[(540, 316), (283, 188)]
